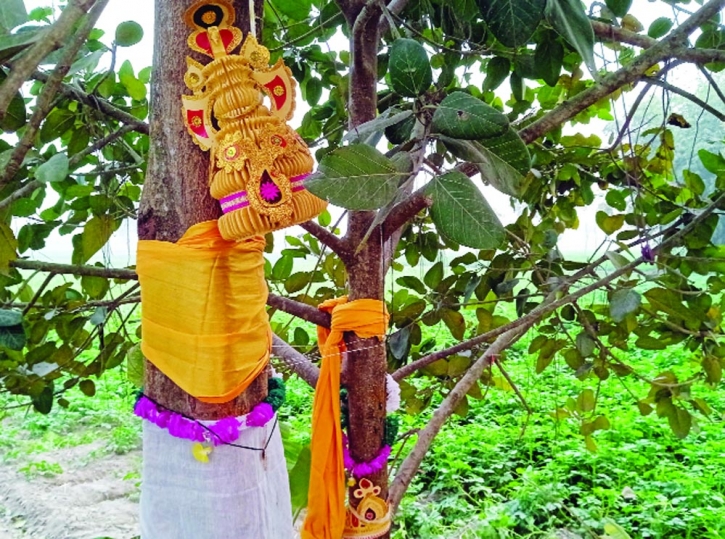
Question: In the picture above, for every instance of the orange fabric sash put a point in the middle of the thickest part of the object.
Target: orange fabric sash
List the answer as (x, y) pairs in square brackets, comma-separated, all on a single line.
[(204, 319), (326, 507)]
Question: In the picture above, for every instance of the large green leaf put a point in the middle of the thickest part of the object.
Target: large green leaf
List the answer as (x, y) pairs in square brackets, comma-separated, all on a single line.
[(623, 302), (10, 45), (297, 10), (409, 68), (549, 58), (503, 161), (570, 20), (390, 117), (128, 33), (15, 116), (356, 177), (95, 235), (12, 334), (299, 480), (497, 71), (462, 116), (12, 14), (619, 7), (513, 22), (461, 214), (54, 169)]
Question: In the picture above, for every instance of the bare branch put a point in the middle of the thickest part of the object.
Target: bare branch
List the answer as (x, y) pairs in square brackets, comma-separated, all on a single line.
[(404, 212), (71, 269), (337, 245), (607, 32), (24, 191), (636, 69), (294, 361), (53, 38), (687, 95), (300, 310), (49, 93)]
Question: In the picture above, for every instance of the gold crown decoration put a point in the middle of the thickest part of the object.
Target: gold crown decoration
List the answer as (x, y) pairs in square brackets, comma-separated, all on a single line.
[(258, 163), (371, 518)]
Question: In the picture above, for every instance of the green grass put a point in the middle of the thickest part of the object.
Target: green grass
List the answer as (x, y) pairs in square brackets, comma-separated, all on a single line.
[(483, 478)]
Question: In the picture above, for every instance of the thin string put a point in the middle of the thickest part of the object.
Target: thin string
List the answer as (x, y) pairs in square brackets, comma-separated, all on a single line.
[(202, 425), (252, 20)]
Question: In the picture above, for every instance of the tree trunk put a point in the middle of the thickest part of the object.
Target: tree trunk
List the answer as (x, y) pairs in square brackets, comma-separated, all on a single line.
[(367, 360), (176, 193)]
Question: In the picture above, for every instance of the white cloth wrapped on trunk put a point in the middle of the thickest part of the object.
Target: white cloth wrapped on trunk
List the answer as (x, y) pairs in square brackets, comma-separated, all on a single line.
[(238, 494)]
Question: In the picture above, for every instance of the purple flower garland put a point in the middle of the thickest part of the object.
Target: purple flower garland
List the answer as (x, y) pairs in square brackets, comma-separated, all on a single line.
[(361, 469), (222, 432)]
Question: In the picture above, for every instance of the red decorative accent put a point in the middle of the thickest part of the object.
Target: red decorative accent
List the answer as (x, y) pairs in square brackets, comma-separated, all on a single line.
[(195, 121), (277, 91), (202, 39)]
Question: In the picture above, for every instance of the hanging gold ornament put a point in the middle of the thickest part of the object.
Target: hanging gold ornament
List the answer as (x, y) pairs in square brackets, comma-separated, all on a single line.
[(258, 163)]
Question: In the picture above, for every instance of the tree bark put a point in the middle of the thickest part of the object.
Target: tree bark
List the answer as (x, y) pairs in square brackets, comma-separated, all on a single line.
[(366, 359), (176, 193)]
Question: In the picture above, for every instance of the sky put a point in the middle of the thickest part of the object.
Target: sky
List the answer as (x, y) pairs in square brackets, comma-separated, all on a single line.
[(121, 248)]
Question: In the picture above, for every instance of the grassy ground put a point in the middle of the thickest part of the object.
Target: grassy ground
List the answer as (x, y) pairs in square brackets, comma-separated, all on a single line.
[(486, 476)]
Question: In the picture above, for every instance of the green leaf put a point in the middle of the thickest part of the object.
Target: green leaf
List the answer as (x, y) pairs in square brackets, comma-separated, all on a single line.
[(8, 247), (356, 177), (461, 214), (434, 275), (135, 88), (388, 118), (43, 403), (586, 401), (549, 58), (297, 10), (58, 122), (299, 480), (619, 7), (135, 365), (409, 68), (128, 33), (462, 116), (623, 302), (12, 44), (570, 20), (13, 337), (87, 387), (517, 86), (497, 71), (457, 326), (660, 27), (503, 161), (9, 318), (609, 223), (615, 531), (95, 235), (680, 422), (513, 22), (282, 268), (54, 169), (713, 162), (650, 343), (585, 344), (12, 14), (15, 116)]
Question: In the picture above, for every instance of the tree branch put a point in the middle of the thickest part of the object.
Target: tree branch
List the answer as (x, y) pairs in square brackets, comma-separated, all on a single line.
[(71, 269), (607, 32), (99, 144), (404, 212), (300, 310), (49, 93), (661, 50), (687, 95), (294, 361), (52, 38), (24, 191), (101, 105), (336, 244)]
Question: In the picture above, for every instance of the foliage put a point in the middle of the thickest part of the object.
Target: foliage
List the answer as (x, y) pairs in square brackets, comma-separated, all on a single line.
[(444, 137)]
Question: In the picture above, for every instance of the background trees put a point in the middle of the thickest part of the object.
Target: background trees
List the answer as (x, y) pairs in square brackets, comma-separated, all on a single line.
[(429, 101)]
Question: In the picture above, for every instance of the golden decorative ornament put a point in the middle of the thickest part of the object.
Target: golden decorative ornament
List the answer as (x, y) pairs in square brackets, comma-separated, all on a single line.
[(258, 162), (371, 518)]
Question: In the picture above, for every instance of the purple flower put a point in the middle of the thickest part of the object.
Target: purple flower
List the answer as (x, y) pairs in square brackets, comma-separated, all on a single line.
[(648, 253)]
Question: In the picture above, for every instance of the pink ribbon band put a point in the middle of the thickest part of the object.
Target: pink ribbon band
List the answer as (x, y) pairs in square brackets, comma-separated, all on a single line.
[(239, 200)]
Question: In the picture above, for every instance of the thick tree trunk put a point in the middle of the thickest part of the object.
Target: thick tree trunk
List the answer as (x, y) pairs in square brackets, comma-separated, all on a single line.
[(367, 362), (176, 193)]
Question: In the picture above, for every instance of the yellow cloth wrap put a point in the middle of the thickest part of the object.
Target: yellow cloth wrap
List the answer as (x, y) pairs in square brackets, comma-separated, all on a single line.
[(204, 320), (326, 507)]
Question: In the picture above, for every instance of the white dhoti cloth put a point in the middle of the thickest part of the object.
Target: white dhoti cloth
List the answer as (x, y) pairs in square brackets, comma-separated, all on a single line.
[(236, 495)]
